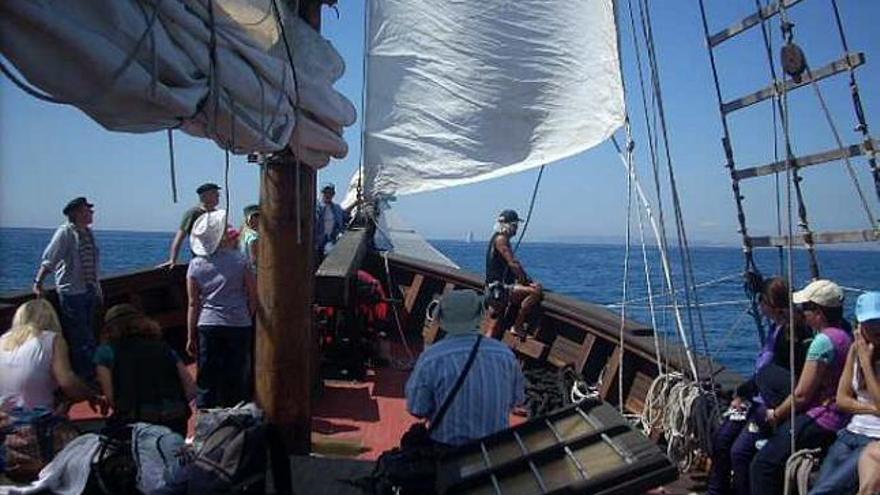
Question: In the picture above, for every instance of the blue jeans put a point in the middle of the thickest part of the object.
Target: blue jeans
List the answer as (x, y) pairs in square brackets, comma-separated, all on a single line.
[(225, 375), (767, 474), (840, 470), (77, 322)]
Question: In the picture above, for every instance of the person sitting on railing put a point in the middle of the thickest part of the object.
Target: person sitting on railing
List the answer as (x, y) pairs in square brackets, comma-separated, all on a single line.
[(734, 442), (492, 387), (817, 417), (142, 377), (858, 393), (34, 361), (506, 280)]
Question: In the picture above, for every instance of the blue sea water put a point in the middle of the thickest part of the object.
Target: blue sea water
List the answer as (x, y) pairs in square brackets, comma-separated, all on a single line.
[(589, 272)]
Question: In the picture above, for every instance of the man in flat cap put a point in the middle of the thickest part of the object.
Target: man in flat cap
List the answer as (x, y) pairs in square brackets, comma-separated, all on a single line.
[(330, 221), (73, 255), (209, 198)]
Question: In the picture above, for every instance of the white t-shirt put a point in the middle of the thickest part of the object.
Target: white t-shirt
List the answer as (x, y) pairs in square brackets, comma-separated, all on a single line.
[(329, 220), (864, 424), (27, 371)]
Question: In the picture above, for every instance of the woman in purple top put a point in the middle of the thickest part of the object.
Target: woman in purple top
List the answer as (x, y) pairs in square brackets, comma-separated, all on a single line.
[(733, 444), (222, 297), (813, 400)]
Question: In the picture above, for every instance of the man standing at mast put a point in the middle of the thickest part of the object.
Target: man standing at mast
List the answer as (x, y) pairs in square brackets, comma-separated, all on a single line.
[(506, 279), (209, 198)]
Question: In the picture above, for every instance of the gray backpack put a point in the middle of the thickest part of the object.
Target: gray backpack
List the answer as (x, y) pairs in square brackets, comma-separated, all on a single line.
[(232, 460)]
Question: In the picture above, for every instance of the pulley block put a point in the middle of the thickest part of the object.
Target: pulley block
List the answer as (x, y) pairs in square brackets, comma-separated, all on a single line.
[(794, 63)]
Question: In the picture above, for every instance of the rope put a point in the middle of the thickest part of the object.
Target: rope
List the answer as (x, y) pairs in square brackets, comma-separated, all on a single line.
[(857, 103), (685, 413), (403, 365), (664, 262), (363, 136), (171, 163), (701, 284), (629, 201), (531, 207)]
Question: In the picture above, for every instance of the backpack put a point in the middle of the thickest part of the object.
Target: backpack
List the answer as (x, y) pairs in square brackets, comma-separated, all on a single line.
[(232, 460), (114, 469), (160, 454), (29, 439)]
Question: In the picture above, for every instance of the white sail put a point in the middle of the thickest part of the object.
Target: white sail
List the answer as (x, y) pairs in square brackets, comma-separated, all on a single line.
[(463, 91), (140, 66)]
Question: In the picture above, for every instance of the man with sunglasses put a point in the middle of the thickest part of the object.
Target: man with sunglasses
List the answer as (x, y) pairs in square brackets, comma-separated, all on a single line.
[(817, 417)]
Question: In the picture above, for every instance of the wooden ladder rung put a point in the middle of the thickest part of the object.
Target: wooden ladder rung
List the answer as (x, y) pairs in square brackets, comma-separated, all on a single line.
[(750, 21), (809, 160), (850, 236), (841, 65)]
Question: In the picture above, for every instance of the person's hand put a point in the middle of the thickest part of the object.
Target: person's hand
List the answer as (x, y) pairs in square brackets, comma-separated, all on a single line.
[(38, 289), (99, 404), (192, 348), (536, 285), (168, 265), (736, 403), (864, 349)]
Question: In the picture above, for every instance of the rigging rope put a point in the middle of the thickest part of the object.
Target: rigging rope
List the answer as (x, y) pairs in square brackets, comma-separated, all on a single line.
[(531, 207), (621, 348)]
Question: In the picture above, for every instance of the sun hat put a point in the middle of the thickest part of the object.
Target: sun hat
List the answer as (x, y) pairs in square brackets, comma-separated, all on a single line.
[(120, 312), (868, 307), (508, 216), (822, 292), (207, 232), (460, 312), (76, 203)]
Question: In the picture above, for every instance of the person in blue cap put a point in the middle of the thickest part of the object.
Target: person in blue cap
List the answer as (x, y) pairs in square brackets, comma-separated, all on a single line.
[(858, 393), (330, 222), (209, 198)]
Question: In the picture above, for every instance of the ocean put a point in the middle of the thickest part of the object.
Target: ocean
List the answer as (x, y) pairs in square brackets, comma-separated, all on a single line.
[(592, 273)]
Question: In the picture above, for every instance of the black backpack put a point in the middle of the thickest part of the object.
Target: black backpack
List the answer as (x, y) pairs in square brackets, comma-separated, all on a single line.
[(114, 469), (232, 460)]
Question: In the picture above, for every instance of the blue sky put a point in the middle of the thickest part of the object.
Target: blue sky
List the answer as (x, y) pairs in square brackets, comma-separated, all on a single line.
[(49, 154)]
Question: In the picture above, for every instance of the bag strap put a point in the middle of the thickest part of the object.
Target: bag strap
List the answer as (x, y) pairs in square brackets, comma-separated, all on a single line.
[(451, 395)]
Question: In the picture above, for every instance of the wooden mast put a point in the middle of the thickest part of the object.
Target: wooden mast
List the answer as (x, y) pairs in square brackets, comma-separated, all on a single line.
[(285, 351)]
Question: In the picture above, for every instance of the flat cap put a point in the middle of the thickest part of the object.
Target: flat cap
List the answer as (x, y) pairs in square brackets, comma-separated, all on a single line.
[(76, 203), (207, 186)]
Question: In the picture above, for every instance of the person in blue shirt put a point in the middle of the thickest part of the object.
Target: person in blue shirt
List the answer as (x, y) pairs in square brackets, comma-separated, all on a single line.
[(492, 388), (330, 221)]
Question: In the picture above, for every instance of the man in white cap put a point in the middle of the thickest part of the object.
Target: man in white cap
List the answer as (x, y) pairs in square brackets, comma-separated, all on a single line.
[(493, 386)]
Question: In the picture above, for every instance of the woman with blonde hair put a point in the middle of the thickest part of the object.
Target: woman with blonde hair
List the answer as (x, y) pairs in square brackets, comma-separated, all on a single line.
[(142, 377), (34, 359)]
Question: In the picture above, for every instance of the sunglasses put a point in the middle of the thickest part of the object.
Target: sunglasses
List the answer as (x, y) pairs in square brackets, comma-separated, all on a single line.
[(808, 306)]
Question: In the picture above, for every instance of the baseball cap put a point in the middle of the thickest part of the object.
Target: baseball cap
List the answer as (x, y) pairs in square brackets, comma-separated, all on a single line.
[(868, 306), (822, 292)]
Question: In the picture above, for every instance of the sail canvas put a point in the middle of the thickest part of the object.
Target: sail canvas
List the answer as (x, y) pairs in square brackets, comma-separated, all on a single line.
[(463, 91)]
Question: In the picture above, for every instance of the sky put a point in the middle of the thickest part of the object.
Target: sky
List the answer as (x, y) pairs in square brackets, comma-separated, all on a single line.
[(50, 154)]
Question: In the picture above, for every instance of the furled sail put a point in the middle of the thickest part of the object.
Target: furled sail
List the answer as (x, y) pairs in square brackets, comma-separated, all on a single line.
[(463, 91), (214, 68)]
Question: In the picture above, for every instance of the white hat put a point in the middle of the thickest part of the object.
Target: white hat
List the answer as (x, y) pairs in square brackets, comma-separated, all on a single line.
[(822, 292), (207, 232), (460, 311)]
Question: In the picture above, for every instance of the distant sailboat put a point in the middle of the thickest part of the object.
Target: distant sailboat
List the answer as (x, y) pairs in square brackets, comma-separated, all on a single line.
[(469, 237)]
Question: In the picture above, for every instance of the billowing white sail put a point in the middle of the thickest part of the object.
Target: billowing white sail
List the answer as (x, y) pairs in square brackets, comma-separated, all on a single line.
[(463, 91), (140, 66)]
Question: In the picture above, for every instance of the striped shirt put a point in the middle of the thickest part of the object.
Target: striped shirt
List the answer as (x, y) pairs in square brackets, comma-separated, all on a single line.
[(494, 385), (88, 258)]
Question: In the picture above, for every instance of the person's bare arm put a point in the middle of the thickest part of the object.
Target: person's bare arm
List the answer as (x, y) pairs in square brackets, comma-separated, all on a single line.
[(105, 381), (189, 385), (807, 386), (175, 249), (864, 351), (846, 396), (502, 245), (194, 307), (70, 384)]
